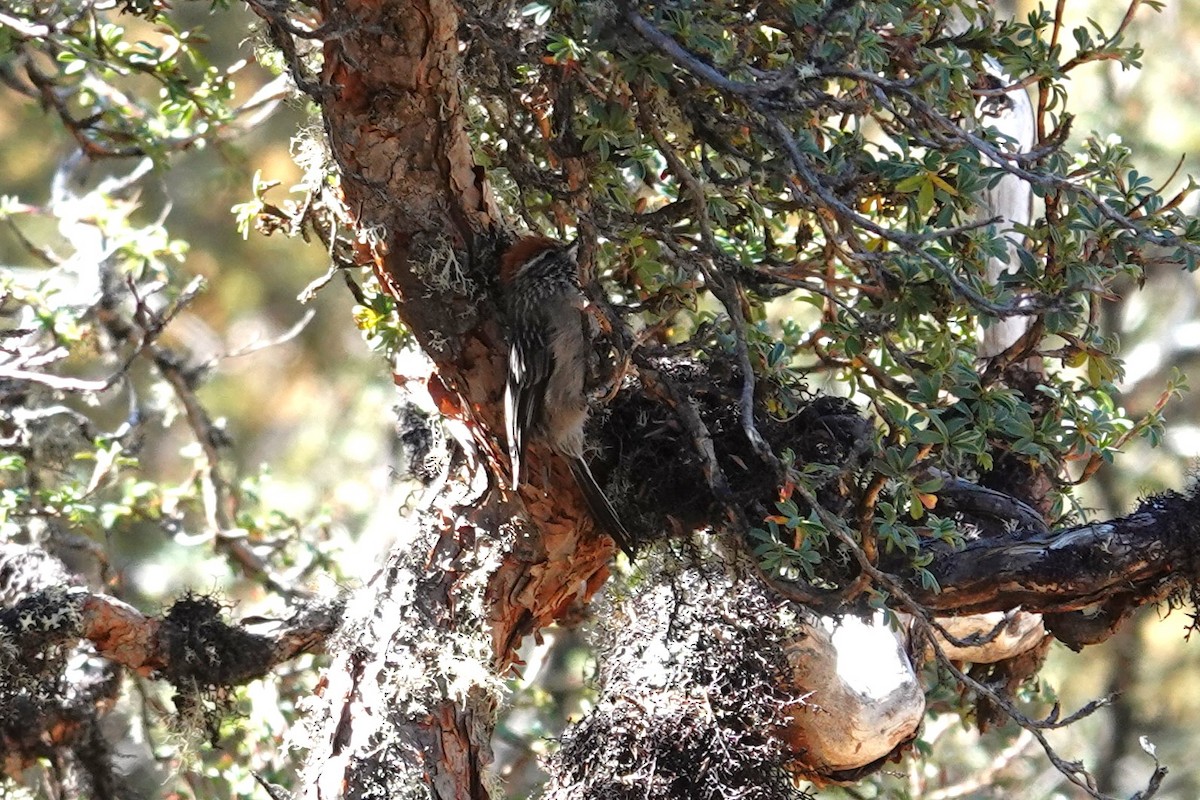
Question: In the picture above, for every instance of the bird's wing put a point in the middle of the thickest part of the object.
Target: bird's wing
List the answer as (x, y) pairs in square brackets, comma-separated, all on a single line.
[(530, 364)]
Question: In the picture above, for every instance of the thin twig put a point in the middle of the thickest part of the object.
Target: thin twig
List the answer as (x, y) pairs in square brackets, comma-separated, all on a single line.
[(720, 285), (283, 338)]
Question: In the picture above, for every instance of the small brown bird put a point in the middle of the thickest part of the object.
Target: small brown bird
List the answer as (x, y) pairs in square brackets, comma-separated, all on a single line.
[(551, 343)]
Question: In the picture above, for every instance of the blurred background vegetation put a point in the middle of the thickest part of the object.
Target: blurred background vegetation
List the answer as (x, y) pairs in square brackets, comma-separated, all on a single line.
[(311, 422)]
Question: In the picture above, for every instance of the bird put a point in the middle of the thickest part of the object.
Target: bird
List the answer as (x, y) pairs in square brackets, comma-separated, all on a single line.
[(551, 345)]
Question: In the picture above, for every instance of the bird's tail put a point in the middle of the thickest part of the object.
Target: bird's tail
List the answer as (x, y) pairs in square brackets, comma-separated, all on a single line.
[(601, 509)]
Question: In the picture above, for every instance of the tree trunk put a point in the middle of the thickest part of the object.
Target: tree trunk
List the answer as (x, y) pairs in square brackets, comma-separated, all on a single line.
[(411, 698)]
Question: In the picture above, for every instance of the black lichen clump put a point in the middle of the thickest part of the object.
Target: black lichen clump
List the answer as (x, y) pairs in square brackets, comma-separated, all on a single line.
[(420, 445), (652, 458), (206, 656), (694, 677), (1177, 520)]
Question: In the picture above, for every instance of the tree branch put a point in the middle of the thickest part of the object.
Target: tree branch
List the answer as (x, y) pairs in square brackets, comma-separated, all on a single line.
[(1142, 558)]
